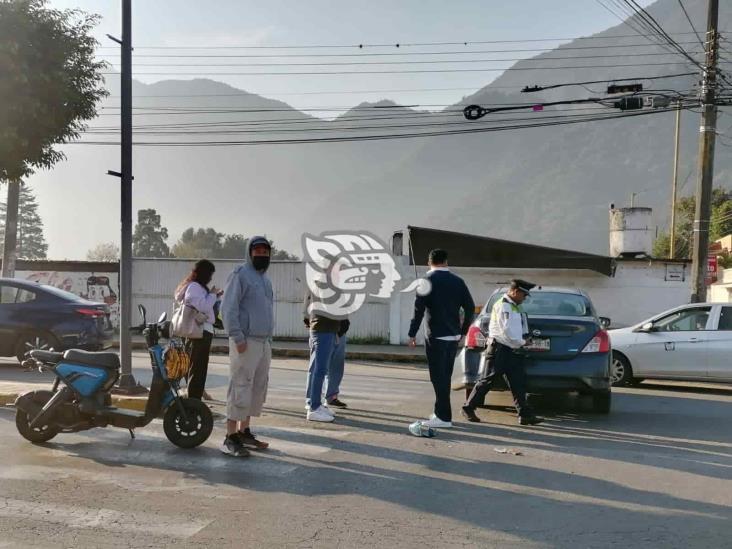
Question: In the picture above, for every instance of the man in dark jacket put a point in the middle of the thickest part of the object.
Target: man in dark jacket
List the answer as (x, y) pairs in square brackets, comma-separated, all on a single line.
[(442, 306)]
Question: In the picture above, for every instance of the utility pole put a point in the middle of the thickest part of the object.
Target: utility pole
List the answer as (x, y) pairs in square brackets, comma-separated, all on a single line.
[(674, 183), (127, 383), (10, 251), (707, 132)]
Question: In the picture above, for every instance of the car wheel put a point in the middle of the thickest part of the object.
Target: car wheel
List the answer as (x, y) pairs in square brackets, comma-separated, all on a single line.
[(33, 342), (621, 372), (601, 402)]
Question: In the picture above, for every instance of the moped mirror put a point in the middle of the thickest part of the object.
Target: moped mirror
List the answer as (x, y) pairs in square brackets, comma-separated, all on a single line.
[(143, 313), (162, 317)]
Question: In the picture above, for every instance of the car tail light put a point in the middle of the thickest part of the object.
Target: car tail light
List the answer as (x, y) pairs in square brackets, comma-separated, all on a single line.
[(598, 344), (91, 313), (475, 337)]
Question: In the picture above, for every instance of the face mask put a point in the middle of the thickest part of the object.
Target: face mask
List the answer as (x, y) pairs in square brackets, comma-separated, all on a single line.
[(260, 262)]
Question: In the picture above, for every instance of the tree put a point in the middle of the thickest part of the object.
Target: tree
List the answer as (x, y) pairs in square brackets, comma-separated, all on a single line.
[(721, 224), (31, 243), (105, 251), (282, 255), (235, 246), (149, 238), (198, 243), (50, 85)]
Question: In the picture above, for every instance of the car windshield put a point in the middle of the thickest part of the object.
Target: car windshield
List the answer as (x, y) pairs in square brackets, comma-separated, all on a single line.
[(552, 304)]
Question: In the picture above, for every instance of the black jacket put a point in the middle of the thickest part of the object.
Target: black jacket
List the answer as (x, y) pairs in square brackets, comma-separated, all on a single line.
[(442, 306)]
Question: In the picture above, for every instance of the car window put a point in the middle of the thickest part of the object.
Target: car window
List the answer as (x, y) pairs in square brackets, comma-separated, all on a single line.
[(551, 304), (687, 320), (8, 294), (725, 319), (61, 293), (25, 296)]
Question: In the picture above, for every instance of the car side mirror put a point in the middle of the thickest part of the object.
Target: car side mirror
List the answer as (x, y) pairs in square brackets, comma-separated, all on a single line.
[(647, 328), (484, 324), (605, 322)]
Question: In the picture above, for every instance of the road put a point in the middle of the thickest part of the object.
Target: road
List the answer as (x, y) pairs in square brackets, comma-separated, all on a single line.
[(656, 472)]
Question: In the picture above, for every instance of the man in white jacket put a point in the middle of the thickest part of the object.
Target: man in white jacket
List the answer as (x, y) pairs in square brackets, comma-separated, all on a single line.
[(507, 332)]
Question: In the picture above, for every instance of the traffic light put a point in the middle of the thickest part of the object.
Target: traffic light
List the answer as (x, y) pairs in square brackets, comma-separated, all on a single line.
[(625, 88), (629, 103)]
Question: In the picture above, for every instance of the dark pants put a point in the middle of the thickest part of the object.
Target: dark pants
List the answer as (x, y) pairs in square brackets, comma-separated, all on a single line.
[(441, 359), (199, 349), (502, 360)]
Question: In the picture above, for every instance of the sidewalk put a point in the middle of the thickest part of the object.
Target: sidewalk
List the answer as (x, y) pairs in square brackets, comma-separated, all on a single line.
[(299, 349)]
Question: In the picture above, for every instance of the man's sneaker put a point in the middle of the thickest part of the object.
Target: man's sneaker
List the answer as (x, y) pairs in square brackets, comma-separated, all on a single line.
[(337, 403), (246, 438), (232, 447), (324, 407), (320, 415), (435, 422), (469, 414), (530, 420)]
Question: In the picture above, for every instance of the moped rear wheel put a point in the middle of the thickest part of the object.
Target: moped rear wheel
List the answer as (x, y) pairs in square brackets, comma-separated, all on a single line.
[(189, 430), (44, 433)]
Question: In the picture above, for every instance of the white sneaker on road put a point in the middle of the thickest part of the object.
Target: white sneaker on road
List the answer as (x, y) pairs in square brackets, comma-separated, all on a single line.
[(435, 422), (324, 407), (320, 415)]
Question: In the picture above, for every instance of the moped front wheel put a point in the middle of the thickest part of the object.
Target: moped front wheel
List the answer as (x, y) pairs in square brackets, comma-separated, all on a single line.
[(188, 423), (44, 433)]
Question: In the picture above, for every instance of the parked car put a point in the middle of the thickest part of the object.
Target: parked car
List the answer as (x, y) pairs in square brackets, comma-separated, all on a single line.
[(37, 316), (689, 343), (569, 348)]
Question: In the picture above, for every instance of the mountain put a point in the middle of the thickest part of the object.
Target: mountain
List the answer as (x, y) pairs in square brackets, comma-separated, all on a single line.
[(545, 185)]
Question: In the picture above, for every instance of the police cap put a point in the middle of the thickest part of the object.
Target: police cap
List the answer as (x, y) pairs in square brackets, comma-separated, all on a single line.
[(518, 284)]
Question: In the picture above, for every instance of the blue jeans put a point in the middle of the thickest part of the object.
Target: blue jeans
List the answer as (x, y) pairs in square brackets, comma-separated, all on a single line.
[(322, 347), (335, 369)]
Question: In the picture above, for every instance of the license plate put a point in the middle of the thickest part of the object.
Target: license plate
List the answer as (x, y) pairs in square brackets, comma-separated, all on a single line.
[(538, 344)]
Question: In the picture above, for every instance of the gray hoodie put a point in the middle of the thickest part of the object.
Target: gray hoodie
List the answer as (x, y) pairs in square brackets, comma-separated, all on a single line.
[(248, 304)]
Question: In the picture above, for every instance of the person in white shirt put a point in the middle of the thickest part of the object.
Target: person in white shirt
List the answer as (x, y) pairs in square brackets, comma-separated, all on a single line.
[(507, 334), (193, 291)]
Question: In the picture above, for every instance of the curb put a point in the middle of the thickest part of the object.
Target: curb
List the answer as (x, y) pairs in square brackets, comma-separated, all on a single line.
[(280, 352)]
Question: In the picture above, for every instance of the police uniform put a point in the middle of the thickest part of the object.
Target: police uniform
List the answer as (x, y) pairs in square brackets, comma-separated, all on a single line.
[(507, 333)]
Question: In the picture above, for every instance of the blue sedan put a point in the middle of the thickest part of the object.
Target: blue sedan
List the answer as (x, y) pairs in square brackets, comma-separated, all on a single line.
[(36, 316), (568, 348)]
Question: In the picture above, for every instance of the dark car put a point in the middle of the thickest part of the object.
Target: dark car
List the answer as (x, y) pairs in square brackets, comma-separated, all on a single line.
[(36, 316), (568, 348)]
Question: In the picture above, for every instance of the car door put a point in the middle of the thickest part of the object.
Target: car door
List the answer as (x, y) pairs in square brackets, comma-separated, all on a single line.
[(7, 325), (719, 346), (675, 346)]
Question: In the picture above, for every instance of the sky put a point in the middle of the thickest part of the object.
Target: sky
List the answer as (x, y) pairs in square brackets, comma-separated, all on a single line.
[(229, 23)]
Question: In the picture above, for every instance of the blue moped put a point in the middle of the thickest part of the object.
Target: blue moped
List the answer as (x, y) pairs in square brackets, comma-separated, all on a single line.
[(80, 398)]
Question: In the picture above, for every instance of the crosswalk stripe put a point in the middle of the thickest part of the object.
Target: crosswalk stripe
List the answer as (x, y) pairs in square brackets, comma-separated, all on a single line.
[(106, 519)]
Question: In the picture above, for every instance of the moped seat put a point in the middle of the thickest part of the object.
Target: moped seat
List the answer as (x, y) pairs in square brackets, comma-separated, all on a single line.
[(102, 359), (47, 357)]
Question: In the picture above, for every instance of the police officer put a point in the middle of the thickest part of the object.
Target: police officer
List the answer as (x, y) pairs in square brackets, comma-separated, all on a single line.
[(507, 332)]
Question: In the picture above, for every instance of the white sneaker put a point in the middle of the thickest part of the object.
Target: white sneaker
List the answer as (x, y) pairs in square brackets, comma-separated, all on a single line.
[(324, 407), (320, 415), (435, 422)]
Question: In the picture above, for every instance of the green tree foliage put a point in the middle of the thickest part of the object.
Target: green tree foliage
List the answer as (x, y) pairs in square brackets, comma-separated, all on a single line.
[(721, 224), (31, 242), (210, 244), (50, 83), (149, 237), (104, 251)]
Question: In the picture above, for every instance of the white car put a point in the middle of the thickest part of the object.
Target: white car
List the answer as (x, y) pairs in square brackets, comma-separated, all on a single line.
[(691, 343)]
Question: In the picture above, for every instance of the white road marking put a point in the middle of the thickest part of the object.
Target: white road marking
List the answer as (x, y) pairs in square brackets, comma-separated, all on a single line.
[(106, 519)]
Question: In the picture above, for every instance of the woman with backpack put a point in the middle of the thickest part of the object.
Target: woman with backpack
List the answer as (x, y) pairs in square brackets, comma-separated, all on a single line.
[(194, 291)]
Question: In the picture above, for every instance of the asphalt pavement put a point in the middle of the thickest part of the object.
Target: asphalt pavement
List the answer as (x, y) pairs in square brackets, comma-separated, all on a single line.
[(656, 472)]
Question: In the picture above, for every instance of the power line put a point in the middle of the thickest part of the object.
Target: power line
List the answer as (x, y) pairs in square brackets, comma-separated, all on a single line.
[(415, 71), (343, 139), (400, 54), (681, 5)]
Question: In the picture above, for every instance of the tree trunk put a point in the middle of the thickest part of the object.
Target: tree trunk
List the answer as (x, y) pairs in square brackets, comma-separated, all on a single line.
[(10, 252)]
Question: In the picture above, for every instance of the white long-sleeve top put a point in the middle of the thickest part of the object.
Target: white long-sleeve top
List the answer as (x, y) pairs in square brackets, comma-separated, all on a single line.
[(196, 296), (508, 325)]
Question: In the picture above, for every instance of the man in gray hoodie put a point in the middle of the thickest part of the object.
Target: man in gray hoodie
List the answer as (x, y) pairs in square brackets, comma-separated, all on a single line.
[(248, 311)]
